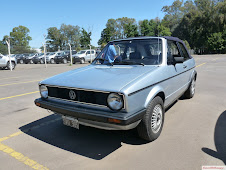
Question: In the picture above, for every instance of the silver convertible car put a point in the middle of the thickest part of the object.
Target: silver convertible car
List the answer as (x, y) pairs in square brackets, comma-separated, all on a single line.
[(129, 85)]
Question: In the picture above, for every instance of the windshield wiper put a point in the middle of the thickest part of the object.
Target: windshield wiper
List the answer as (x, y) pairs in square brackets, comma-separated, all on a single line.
[(129, 63)]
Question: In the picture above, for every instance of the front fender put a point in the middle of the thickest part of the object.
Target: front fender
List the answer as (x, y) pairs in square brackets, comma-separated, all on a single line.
[(154, 91), (193, 74)]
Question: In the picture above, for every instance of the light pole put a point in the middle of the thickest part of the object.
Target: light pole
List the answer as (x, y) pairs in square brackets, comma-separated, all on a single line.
[(10, 63), (70, 53), (44, 46), (90, 53), (44, 49)]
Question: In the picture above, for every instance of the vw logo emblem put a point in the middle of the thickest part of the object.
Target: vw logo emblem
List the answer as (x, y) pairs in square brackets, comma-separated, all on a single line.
[(72, 94)]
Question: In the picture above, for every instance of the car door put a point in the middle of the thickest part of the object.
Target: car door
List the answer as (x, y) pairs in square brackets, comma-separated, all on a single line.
[(2, 61), (93, 54), (187, 64), (175, 70), (87, 56)]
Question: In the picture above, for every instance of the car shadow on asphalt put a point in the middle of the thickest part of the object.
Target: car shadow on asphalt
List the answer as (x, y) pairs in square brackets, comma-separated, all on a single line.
[(89, 142), (219, 139)]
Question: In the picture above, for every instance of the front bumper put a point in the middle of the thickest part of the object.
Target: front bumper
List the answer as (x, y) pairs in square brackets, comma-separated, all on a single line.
[(93, 118), (76, 59)]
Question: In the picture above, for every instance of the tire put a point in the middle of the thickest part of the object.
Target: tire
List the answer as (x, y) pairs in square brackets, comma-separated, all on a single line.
[(82, 61), (41, 61), (190, 92), (8, 65), (65, 61), (52, 61), (151, 124), (21, 62)]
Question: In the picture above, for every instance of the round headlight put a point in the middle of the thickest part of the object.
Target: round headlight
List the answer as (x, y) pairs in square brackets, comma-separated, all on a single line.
[(43, 91), (115, 101)]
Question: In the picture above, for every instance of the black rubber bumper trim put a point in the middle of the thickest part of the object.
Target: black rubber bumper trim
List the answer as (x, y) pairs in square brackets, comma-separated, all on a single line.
[(87, 113)]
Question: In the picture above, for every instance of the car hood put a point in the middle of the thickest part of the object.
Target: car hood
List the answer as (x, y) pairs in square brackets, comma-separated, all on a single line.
[(103, 78)]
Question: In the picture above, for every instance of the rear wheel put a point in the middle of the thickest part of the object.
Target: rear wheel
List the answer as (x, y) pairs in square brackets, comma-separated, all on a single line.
[(151, 125), (191, 90)]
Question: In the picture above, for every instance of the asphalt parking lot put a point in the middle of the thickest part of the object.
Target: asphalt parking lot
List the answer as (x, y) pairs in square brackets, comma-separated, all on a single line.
[(194, 133)]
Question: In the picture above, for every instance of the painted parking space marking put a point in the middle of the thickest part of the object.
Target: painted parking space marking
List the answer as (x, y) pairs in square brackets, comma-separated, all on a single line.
[(22, 158), (200, 64), (10, 78), (18, 95), (19, 83), (19, 156), (10, 136)]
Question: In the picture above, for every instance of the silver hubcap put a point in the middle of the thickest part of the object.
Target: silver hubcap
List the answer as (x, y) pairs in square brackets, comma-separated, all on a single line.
[(193, 86), (156, 119)]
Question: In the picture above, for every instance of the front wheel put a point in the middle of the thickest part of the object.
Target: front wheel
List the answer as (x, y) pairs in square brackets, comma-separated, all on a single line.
[(82, 61), (65, 61), (191, 90), (52, 61), (151, 124), (12, 64)]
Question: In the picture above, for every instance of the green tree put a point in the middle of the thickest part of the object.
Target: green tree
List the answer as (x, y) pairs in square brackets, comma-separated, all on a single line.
[(216, 42), (70, 34), (85, 38), (20, 36), (19, 40), (54, 39), (61, 37), (174, 14), (130, 30), (3, 48)]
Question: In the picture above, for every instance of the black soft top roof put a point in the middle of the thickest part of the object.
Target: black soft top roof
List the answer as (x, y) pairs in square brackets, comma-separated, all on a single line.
[(146, 37)]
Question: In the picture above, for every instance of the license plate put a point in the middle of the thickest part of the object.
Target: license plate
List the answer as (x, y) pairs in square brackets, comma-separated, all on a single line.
[(70, 121)]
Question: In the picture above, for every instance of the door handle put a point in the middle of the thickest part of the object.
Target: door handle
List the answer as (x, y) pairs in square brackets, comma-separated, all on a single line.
[(184, 66)]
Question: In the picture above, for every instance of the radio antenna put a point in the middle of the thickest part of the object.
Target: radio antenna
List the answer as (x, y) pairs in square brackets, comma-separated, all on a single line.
[(158, 36)]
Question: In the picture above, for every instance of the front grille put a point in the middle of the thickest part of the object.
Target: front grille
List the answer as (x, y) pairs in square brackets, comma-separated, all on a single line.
[(89, 97)]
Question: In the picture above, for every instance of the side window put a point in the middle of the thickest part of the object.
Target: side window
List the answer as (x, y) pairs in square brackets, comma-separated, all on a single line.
[(92, 52), (184, 51), (88, 52), (172, 51)]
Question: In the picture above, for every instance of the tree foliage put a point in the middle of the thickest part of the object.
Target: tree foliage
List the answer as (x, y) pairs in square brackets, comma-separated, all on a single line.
[(19, 41), (201, 23), (59, 38), (85, 38)]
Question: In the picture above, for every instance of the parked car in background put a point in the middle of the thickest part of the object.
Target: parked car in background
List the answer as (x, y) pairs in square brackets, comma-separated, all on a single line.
[(130, 91), (84, 56), (40, 58), (50, 57), (64, 57), (5, 62), (21, 57), (28, 59)]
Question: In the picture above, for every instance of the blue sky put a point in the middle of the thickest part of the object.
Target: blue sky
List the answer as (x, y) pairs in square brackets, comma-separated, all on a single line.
[(38, 15)]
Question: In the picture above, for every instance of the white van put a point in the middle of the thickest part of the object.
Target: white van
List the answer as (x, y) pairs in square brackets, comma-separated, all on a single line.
[(84, 56)]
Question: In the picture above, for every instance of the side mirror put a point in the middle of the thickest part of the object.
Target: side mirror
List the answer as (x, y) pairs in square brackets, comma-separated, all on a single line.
[(179, 59)]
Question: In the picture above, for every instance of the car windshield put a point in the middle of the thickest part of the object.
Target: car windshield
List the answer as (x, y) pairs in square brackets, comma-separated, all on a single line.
[(81, 52), (131, 52)]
